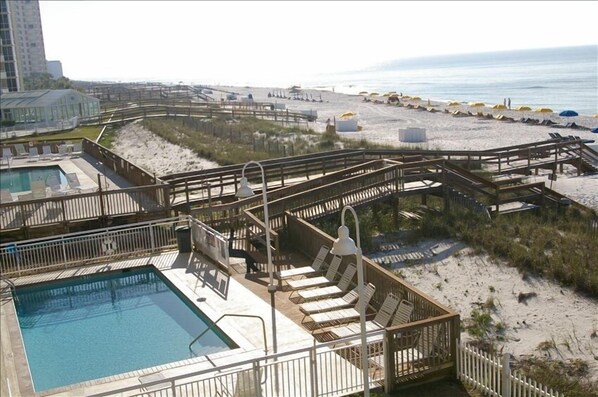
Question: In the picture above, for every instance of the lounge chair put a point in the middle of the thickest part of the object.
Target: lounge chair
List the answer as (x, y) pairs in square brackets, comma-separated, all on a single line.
[(246, 384), (331, 290), (38, 189), (318, 281), (77, 149), (33, 154), (20, 149), (6, 154), (426, 347), (73, 181), (381, 320), (342, 315), (62, 151), (315, 267), (53, 183), (6, 196), (47, 152), (325, 305)]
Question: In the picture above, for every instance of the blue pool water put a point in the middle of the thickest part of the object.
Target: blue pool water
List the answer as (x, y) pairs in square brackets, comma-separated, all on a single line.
[(101, 325), (19, 179)]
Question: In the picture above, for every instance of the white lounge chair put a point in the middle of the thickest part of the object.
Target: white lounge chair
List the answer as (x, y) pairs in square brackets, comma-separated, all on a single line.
[(6, 155), (426, 346), (20, 149), (342, 315), (77, 149), (53, 183), (33, 154), (325, 305), (315, 267), (313, 282), (47, 152), (381, 320), (246, 384), (331, 290), (6, 196), (73, 181), (38, 189)]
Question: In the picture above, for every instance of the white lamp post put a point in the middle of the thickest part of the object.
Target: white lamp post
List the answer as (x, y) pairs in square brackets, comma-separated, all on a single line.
[(344, 245), (243, 192)]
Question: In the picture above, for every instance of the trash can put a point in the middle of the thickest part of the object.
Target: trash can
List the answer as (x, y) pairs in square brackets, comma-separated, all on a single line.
[(183, 238)]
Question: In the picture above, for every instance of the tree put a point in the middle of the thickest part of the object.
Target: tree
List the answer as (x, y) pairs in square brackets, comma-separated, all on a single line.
[(44, 81)]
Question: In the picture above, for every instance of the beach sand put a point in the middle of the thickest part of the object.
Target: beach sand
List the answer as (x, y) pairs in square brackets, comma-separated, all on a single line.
[(444, 269)]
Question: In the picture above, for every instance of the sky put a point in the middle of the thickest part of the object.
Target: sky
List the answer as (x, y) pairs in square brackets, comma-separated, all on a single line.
[(283, 43)]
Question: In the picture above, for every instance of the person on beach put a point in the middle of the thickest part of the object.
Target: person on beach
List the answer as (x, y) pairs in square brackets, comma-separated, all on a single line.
[(509, 103), (504, 101)]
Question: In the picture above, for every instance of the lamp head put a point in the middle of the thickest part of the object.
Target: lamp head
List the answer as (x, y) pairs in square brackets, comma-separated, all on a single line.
[(244, 189), (343, 245)]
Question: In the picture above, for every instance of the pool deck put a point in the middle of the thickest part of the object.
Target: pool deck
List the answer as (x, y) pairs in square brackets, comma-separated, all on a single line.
[(212, 290)]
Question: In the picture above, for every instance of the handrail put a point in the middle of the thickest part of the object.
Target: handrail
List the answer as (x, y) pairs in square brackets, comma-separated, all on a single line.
[(233, 315)]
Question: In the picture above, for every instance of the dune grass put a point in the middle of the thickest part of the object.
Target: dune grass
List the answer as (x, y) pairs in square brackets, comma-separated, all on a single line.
[(235, 141)]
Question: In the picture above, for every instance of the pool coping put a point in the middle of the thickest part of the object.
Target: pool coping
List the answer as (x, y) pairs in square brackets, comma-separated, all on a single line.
[(21, 368)]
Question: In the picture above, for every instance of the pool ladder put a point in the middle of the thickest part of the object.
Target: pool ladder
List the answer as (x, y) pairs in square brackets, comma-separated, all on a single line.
[(232, 315)]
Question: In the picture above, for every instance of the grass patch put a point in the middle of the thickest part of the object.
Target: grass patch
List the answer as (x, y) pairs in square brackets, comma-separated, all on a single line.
[(89, 132)]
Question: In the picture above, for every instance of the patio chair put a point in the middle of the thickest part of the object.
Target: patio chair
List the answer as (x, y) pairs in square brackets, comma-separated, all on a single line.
[(381, 320), (38, 189), (33, 154), (403, 314), (342, 315), (331, 290), (315, 267), (20, 149), (312, 282)]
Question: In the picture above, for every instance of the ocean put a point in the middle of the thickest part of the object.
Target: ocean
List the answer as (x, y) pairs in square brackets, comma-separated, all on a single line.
[(558, 78)]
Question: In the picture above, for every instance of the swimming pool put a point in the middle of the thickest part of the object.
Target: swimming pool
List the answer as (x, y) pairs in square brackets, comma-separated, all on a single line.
[(19, 179), (101, 325)]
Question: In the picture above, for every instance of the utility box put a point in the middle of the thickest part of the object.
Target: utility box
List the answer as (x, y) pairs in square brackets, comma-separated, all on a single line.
[(183, 238)]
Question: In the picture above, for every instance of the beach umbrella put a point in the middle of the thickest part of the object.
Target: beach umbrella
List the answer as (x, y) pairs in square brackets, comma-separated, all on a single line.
[(568, 113), (476, 104), (395, 95), (363, 93), (347, 115), (499, 106), (596, 116), (453, 103), (374, 94), (543, 110), (524, 108)]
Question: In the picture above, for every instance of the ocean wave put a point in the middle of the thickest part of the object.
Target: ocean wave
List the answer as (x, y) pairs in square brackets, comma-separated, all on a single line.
[(535, 87)]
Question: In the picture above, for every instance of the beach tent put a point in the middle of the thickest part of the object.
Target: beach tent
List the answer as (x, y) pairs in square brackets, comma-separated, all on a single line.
[(524, 108), (453, 103), (499, 106), (543, 110), (596, 116), (568, 113), (477, 104)]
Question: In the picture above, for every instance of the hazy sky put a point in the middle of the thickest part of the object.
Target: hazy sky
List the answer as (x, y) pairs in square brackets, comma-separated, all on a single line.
[(283, 43)]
